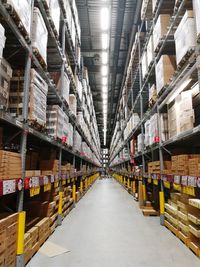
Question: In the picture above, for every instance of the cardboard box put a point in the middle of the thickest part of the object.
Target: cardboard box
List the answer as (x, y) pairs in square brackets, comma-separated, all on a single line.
[(150, 51), (185, 35), (164, 71), (73, 104), (55, 121), (196, 8), (144, 64), (160, 29)]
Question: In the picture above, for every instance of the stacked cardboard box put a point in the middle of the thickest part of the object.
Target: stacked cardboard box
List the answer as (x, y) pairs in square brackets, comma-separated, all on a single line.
[(150, 51), (153, 129), (8, 239), (147, 133), (154, 167), (23, 11), (164, 70), (70, 140), (10, 165), (194, 165), (185, 35), (144, 64), (73, 104), (50, 165), (160, 29), (55, 120), (5, 78), (181, 114), (164, 127), (54, 9), (146, 10), (37, 97), (63, 89), (39, 35), (77, 142), (186, 164), (2, 40), (152, 94)]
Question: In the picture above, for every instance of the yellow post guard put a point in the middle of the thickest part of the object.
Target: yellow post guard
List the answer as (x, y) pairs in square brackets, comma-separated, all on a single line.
[(81, 187), (60, 203), (144, 192), (21, 231), (74, 192), (162, 202)]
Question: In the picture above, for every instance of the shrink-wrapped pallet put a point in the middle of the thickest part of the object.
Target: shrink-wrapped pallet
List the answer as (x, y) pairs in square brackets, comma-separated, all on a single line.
[(2, 40), (153, 129), (54, 9), (150, 51), (37, 100), (22, 9), (77, 142), (196, 8), (147, 133), (160, 29), (73, 104), (185, 35), (39, 35), (65, 128), (5, 78), (140, 139), (164, 70), (55, 118), (64, 88), (152, 94), (144, 64), (70, 140)]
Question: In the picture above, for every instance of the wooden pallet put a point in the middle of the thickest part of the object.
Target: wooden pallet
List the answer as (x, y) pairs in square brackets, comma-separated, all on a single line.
[(170, 227), (185, 59), (149, 212), (195, 248), (185, 239), (40, 58)]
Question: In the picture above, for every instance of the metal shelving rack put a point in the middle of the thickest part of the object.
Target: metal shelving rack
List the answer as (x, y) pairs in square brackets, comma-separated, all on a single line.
[(62, 62), (189, 68)]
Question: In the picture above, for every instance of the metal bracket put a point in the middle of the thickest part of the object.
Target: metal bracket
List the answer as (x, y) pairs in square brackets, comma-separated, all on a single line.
[(20, 261)]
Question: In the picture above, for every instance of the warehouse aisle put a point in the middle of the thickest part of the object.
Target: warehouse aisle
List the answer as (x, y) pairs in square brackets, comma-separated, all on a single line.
[(107, 229)]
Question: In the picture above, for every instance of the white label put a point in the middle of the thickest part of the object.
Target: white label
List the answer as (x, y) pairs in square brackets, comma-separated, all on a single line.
[(18, 123), (184, 180), (52, 179), (46, 180), (34, 182), (177, 179), (9, 187), (192, 181)]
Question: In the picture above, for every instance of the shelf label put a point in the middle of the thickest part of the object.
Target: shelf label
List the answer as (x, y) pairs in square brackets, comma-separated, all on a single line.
[(177, 179), (9, 186), (56, 184), (155, 182), (184, 180), (34, 182), (45, 180), (47, 187), (163, 177), (34, 191), (167, 184), (192, 181), (189, 190), (52, 178), (64, 182), (177, 187)]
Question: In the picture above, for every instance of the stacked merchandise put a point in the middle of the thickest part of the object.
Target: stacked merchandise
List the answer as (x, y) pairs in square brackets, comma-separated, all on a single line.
[(49, 166), (73, 104), (37, 97), (63, 89), (5, 79), (150, 51), (160, 29), (70, 140), (181, 114), (55, 118), (144, 65), (154, 167), (67, 200), (79, 87), (132, 123), (65, 128), (186, 164), (10, 165), (23, 11), (8, 239), (153, 129), (140, 140), (54, 10), (185, 36), (196, 8), (2, 40), (147, 133), (77, 142), (152, 95), (39, 35), (165, 68)]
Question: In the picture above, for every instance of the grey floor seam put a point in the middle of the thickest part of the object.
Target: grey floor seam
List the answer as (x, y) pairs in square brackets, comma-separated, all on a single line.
[(107, 229)]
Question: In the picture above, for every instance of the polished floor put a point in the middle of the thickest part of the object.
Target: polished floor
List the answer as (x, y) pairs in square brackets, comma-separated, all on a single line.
[(107, 229)]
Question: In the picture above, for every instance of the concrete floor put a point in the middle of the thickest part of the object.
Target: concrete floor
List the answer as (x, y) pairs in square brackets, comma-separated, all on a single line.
[(107, 229)]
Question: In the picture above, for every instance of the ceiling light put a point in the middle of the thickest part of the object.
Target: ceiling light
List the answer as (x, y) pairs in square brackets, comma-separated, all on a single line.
[(105, 80), (105, 96), (104, 40), (104, 70), (104, 58), (105, 102), (105, 89), (105, 18)]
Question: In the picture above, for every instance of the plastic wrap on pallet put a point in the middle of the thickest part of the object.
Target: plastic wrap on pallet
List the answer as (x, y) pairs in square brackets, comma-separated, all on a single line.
[(55, 118), (144, 64), (196, 8), (150, 51), (39, 34), (73, 104), (153, 128), (70, 141), (2, 40), (185, 35), (23, 10), (79, 87), (164, 127), (152, 94), (146, 10), (77, 142), (160, 29), (5, 78), (65, 128), (54, 9), (147, 133), (140, 138), (164, 70)]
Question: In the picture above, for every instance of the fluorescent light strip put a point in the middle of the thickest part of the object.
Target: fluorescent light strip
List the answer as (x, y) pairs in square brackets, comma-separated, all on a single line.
[(105, 41), (105, 16), (104, 58), (104, 81), (104, 70)]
